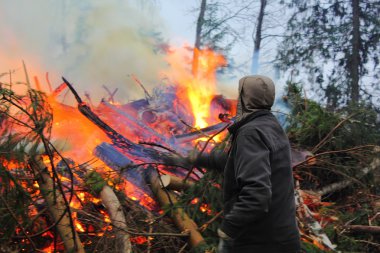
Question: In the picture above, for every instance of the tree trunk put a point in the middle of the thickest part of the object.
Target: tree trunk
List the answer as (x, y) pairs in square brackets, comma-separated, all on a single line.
[(113, 206), (258, 38), (198, 35), (355, 57)]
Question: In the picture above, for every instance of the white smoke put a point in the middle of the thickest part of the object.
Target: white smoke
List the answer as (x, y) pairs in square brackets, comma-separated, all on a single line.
[(90, 42)]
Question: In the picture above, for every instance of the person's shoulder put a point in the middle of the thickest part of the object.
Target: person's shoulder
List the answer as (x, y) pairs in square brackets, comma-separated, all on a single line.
[(261, 125)]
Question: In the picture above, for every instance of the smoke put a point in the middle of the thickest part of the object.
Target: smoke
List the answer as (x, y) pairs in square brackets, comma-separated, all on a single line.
[(90, 42)]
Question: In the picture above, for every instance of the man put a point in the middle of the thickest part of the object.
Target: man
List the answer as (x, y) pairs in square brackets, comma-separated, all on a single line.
[(258, 190)]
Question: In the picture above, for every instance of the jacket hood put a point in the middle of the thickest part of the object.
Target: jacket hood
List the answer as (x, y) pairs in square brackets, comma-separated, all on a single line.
[(256, 93)]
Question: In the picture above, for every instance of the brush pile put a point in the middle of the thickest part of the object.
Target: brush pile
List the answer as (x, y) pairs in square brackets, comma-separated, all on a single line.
[(126, 195)]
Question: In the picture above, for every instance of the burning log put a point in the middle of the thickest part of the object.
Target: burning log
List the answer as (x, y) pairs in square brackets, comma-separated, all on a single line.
[(139, 152), (180, 218), (113, 206), (139, 124), (175, 183), (57, 208)]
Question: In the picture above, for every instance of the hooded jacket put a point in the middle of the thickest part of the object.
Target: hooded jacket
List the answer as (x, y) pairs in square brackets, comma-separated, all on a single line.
[(258, 190)]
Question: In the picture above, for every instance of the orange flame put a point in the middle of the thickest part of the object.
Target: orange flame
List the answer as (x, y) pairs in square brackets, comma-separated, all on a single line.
[(197, 89)]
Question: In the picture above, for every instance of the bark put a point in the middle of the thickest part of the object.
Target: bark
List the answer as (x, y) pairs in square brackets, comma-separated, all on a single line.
[(180, 218), (364, 229), (115, 210), (175, 183), (258, 38), (198, 37), (57, 209), (355, 58)]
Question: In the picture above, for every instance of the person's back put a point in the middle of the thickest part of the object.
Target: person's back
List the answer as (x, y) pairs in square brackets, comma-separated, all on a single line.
[(274, 230)]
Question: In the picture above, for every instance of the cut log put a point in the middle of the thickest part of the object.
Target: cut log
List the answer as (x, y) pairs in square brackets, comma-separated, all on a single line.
[(364, 229), (57, 208), (175, 183), (180, 218), (113, 206)]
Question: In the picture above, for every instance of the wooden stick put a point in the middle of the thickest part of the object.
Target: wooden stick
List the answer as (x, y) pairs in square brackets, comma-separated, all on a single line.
[(180, 218)]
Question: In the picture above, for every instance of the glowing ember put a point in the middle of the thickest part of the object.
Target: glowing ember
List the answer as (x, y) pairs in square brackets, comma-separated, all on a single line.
[(204, 208), (194, 201), (139, 239)]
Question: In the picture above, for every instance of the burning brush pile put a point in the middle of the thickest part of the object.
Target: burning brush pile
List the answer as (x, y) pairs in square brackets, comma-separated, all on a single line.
[(102, 178)]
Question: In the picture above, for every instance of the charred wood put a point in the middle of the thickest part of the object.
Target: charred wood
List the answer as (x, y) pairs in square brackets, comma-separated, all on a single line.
[(137, 151)]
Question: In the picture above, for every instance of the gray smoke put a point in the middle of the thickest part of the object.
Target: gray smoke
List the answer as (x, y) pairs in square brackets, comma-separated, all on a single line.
[(90, 42)]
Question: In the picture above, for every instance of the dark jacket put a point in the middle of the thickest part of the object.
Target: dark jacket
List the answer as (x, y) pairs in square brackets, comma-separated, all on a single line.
[(259, 204)]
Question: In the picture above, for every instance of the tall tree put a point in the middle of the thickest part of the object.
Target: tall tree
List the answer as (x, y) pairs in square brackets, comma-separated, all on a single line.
[(258, 38), (336, 43), (198, 34)]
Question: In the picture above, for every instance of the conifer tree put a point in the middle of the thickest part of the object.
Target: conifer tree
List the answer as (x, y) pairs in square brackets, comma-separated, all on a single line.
[(336, 43)]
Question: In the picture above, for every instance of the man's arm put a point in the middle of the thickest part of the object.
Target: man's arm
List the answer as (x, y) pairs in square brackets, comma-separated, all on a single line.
[(252, 171), (216, 160)]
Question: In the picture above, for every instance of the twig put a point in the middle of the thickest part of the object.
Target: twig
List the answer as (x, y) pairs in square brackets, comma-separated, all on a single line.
[(324, 140), (150, 231), (333, 152), (183, 248), (206, 224), (142, 86), (370, 243), (160, 146), (131, 232)]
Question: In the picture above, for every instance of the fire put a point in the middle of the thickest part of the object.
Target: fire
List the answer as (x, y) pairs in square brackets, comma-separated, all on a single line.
[(197, 88)]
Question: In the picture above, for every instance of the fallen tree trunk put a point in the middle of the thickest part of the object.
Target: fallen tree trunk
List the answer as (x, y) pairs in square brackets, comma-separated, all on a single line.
[(375, 165), (57, 208), (363, 229), (115, 210), (180, 218)]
